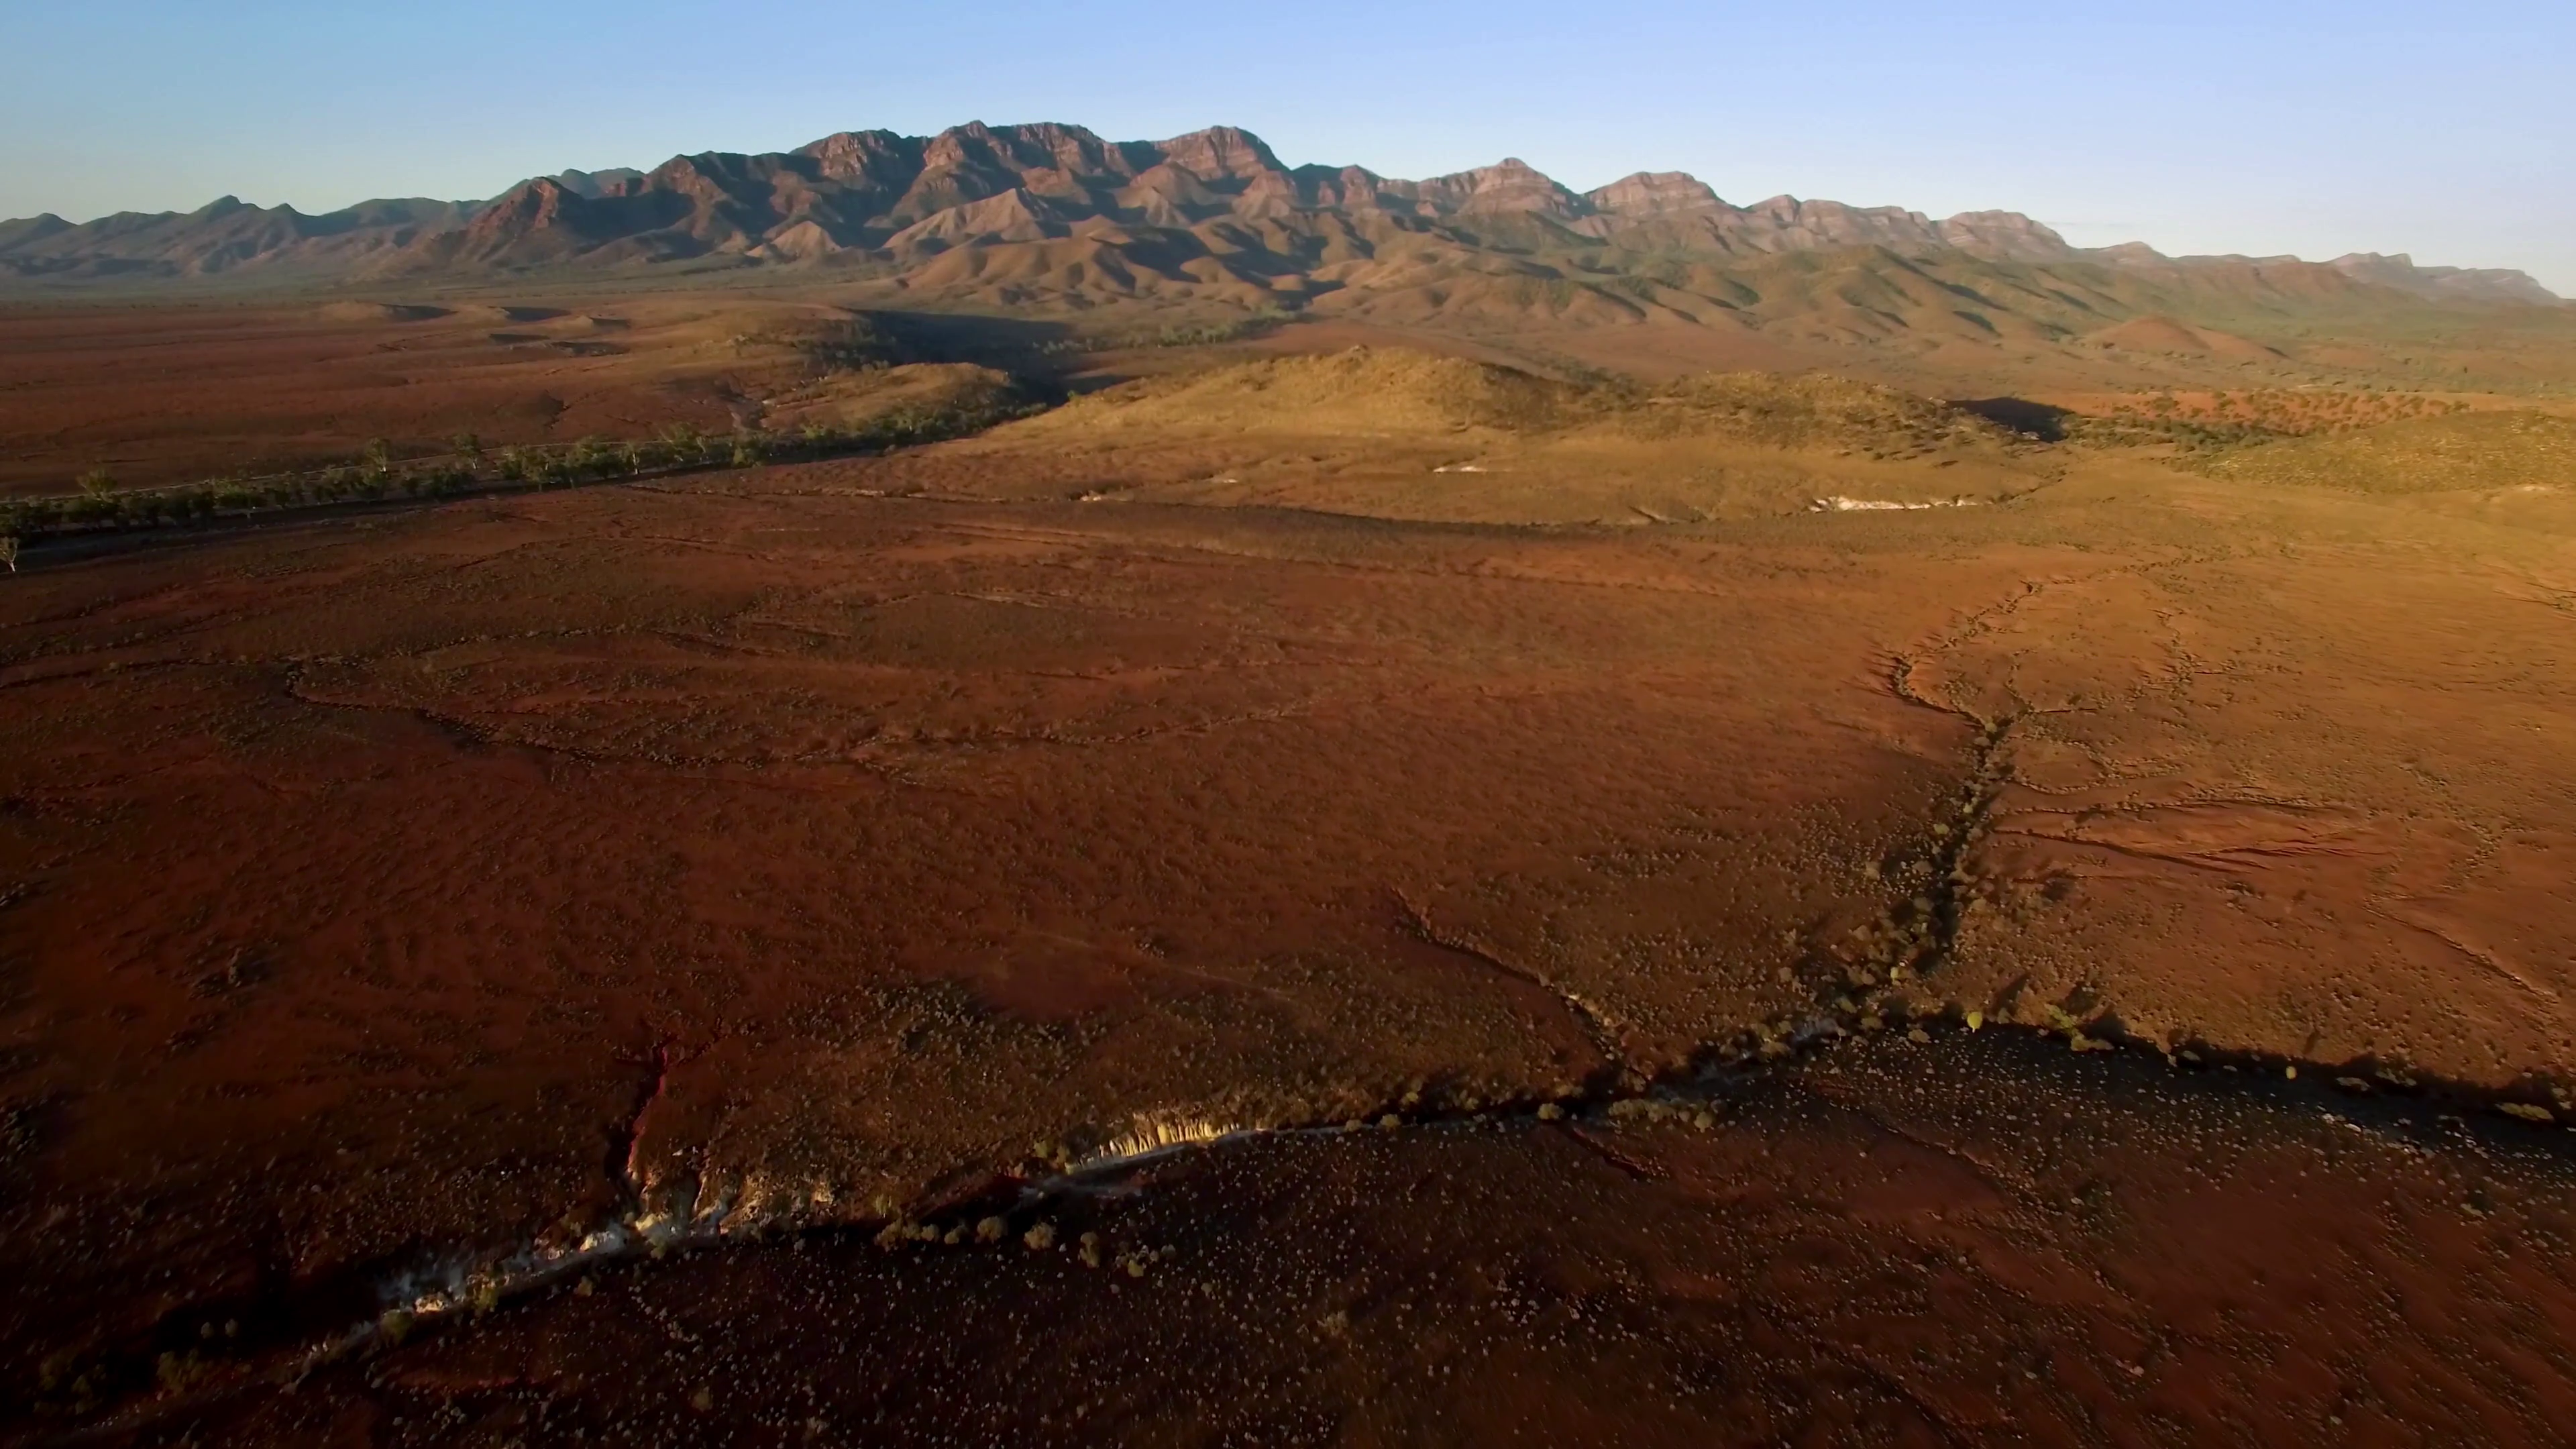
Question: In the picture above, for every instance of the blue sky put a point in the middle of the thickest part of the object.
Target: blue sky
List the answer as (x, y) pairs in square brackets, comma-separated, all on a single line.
[(2446, 130)]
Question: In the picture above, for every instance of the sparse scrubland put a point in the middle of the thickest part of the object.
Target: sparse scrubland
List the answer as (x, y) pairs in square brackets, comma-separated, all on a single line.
[(2504, 450), (891, 417), (1853, 894), (1401, 433)]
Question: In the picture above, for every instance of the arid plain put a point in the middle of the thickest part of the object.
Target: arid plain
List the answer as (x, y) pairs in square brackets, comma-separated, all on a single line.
[(1672, 881)]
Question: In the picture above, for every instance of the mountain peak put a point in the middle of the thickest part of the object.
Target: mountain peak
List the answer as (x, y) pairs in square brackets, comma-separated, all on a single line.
[(1510, 186), (1110, 218), (1655, 193), (1221, 151), (2003, 236), (597, 183)]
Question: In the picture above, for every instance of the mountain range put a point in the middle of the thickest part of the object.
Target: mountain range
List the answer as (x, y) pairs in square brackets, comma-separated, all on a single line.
[(1053, 213)]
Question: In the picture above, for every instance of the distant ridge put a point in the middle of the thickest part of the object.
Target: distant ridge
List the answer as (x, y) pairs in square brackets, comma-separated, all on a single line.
[(1054, 213), (2467, 283), (222, 235)]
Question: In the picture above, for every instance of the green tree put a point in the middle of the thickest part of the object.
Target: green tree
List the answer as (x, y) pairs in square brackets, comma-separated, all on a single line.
[(9, 551), (98, 482), (687, 445)]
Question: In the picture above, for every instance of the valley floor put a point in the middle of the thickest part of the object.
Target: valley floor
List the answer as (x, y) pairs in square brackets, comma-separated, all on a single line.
[(1722, 897)]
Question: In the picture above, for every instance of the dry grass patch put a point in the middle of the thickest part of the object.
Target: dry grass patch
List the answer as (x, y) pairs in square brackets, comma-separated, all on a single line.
[(857, 398), (2459, 452)]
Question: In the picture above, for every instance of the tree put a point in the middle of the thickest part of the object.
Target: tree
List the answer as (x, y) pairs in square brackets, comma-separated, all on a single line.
[(98, 482), (9, 551), (684, 442), (468, 447)]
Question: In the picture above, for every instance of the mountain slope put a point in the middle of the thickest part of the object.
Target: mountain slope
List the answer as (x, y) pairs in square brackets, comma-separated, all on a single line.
[(221, 236), (1054, 216)]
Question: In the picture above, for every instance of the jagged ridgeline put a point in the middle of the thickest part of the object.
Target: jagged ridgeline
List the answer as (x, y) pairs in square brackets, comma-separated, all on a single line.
[(1053, 214)]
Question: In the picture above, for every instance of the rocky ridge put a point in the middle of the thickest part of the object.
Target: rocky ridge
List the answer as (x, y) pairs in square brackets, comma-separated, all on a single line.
[(1026, 212)]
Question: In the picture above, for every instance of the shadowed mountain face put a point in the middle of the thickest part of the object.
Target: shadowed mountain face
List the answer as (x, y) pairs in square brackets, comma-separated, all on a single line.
[(1054, 214)]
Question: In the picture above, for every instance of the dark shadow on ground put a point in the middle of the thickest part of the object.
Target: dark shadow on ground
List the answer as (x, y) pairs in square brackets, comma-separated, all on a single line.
[(2043, 421), (1894, 1243)]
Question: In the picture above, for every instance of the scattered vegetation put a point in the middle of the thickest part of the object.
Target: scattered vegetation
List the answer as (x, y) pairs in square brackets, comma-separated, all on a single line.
[(2207, 422), (377, 476), (859, 344), (1810, 410), (1362, 388), (1260, 323), (870, 342), (2456, 451), (1400, 390)]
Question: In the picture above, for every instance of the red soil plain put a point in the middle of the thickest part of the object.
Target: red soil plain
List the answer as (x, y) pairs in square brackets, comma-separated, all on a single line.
[(156, 394), (1669, 959)]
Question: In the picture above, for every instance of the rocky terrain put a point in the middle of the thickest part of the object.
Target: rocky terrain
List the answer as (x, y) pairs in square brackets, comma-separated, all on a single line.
[(1902, 927), (1011, 788), (1053, 214)]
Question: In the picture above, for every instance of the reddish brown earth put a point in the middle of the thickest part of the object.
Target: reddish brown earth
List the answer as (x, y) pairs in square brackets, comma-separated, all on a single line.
[(159, 394), (166, 390), (1963, 1242), (834, 842), (914, 833)]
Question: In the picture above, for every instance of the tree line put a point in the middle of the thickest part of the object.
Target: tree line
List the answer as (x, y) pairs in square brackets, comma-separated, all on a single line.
[(376, 475)]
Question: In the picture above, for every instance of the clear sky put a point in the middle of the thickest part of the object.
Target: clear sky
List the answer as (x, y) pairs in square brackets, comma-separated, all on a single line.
[(2446, 128)]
